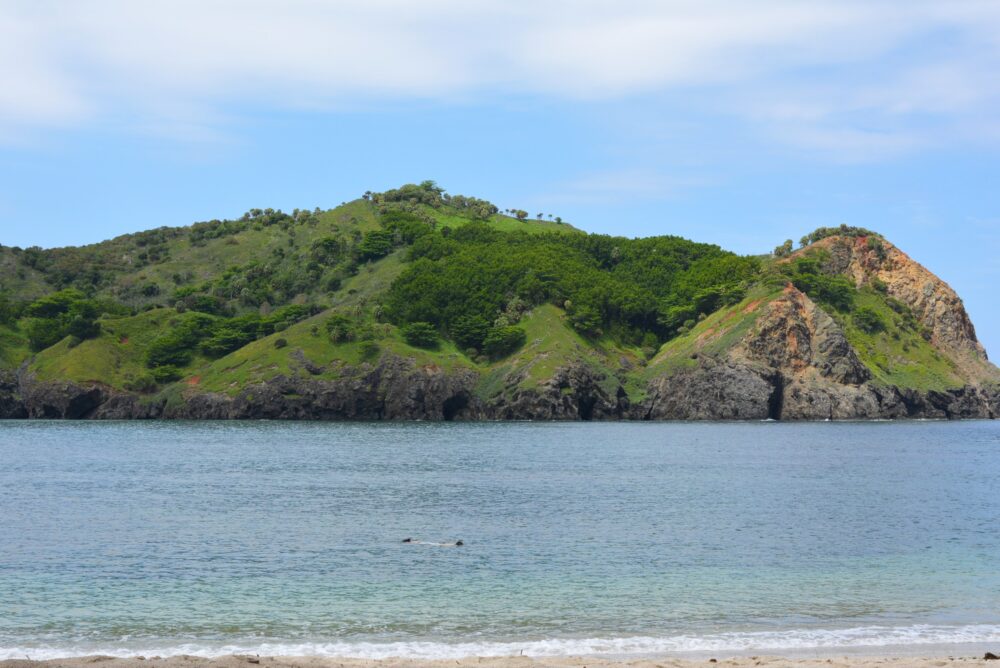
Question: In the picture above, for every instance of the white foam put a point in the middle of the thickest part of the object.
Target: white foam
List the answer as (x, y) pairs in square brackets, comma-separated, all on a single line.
[(858, 638)]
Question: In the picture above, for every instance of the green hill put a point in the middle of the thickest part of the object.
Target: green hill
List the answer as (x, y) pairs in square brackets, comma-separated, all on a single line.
[(417, 304)]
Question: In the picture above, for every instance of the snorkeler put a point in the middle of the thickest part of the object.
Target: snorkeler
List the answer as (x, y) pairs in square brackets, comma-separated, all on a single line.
[(413, 541)]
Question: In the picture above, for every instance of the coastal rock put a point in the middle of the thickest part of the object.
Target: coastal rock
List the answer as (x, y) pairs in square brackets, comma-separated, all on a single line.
[(574, 392), (393, 389), (797, 364), (11, 404), (796, 336), (806, 399), (61, 400), (127, 406), (714, 391)]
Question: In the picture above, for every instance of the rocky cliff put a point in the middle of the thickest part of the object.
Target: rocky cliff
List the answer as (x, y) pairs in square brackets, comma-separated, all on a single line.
[(797, 364), (871, 261)]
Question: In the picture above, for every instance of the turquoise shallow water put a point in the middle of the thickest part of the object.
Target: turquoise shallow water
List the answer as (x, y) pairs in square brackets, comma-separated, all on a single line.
[(208, 538)]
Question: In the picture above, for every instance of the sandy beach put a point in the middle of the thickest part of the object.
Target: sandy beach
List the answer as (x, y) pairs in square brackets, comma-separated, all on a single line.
[(502, 662)]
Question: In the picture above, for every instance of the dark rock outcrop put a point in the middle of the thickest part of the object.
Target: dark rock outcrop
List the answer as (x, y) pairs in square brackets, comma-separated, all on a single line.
[(61, 400), (11, 404), (128, 406), (713, 391), (393, 389), (574, 392), (796, 364)]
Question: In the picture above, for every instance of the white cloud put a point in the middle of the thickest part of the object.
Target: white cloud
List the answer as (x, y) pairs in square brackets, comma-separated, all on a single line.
[(882, 63), (34, 88)]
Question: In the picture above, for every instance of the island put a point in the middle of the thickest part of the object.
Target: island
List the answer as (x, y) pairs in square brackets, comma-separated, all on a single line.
[(413, 304)]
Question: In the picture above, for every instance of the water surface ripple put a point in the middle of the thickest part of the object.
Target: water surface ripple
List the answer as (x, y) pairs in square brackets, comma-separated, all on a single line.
[(579, 538)]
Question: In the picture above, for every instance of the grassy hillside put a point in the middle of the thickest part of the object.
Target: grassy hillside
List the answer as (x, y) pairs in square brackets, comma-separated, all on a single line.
[(115, 357), (897, 352), (450, 282), (149, 268)]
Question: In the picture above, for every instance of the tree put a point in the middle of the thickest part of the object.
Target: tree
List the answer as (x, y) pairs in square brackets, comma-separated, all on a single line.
[(421, 335), (374, 245), (10, 311), (61, 314), (520, 214), (502, 341), (469, 331), (340, 328), (43, 332), (785, 249), (586, 320), (83, 327), (327, 250)]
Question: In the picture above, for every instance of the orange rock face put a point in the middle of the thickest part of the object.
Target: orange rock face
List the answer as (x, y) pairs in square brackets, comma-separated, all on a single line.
[(936, 305)]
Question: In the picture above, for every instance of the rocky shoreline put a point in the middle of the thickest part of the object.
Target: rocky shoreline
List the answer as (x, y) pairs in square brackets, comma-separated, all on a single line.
[(397, 389), (795, 363)]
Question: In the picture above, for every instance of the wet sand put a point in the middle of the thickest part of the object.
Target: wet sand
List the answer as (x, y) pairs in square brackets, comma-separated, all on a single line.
[(504, 662)]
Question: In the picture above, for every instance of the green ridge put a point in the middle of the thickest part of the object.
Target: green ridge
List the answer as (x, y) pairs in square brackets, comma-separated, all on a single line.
[(321, 294)]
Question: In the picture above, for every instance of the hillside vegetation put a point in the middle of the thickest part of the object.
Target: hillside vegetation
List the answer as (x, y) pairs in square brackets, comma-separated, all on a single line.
[(451, 284)]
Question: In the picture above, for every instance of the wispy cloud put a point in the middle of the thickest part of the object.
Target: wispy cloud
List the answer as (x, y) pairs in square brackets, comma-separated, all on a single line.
[(898, 77), (611, 187)]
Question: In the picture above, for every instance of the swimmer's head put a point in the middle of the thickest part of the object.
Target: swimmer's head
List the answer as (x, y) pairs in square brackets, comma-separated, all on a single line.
[(459, 543)]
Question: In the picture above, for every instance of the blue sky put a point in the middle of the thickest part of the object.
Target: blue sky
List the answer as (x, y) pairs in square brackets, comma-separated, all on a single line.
[(738, 123)]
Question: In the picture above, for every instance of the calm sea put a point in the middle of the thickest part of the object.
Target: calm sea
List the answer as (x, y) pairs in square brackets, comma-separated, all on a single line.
[(620, 539)]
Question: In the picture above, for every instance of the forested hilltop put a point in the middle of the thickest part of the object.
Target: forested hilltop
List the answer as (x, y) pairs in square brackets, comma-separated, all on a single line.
[(416, 304)]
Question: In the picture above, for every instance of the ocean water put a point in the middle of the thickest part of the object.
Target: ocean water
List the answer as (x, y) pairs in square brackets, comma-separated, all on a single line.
[(618, 539)]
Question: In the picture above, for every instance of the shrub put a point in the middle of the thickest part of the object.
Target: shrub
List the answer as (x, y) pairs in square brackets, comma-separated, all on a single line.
[(142, 384), (502, 341), (369, 350), (784, 250), (43, 332), (650, 345), (868, 320), (10, 310), (167, 351), (61, 314), (585, 319), (835, 291), (176, 347), (421, 335), (469, 331), (280, 343), (875, 244), (54, 304), (841, 230), (165, 374), (340, 328), (83, 327), (374, 245)]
